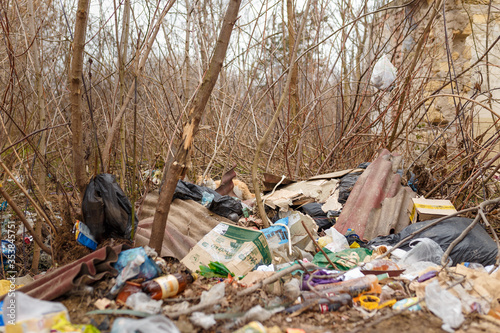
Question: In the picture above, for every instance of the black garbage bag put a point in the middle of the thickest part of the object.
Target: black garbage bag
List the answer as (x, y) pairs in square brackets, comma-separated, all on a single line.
[(477, 246), (346, 185), (106, 209), (322, 219), (222, 205)]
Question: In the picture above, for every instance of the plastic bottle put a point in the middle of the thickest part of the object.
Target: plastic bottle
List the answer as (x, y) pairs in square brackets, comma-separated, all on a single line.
[(354, 287), (325, 305), (168, 285), (474, 265)]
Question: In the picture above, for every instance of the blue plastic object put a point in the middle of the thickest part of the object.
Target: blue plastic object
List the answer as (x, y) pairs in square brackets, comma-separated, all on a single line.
[(149, 269)]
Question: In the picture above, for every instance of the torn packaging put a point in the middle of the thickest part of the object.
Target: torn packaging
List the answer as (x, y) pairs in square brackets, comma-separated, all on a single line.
[(239, 249)]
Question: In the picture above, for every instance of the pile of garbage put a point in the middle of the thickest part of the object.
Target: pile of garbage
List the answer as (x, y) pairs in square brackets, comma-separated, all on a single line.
[(355, 240)]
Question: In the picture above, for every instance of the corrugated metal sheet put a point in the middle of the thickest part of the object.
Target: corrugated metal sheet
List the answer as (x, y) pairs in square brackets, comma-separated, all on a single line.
[(86, 270), (378, 202)]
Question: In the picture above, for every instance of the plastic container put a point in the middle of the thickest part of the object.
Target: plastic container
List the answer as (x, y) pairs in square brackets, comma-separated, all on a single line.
[(354, 287), (168, 285), (324, 304)]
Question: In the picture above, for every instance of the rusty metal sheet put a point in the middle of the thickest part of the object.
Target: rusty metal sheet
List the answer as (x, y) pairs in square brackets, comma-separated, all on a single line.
[(188, 221), (86, 270), (378, 202)]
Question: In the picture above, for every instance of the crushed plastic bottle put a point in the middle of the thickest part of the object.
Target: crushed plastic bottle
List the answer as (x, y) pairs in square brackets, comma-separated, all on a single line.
[(444, 305)]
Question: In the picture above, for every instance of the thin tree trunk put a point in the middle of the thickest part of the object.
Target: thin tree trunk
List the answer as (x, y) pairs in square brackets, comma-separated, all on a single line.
[(40, 107), (196, 108), (122, 58), (75, 84)]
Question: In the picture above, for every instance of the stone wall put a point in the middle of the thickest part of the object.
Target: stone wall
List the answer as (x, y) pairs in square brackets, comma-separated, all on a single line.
[(465, 28)]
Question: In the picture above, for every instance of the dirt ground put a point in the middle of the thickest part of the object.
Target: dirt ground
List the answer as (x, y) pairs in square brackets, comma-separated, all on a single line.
[(79, 302)]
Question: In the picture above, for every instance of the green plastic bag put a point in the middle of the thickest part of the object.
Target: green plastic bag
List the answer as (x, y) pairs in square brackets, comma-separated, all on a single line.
[(345, 259)]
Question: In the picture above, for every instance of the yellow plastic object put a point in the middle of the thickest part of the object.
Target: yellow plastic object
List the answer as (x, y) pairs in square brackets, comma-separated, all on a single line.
[(369, 302), (354, 245), (388, 303)]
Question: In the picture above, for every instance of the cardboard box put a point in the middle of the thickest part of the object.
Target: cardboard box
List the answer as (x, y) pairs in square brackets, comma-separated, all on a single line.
[(240, 249), (426, 209)]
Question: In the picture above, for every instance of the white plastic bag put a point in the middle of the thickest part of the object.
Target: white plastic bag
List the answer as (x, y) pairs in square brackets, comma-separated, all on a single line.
[(444, 305), (384, 73), (30, 314), (143, 303), (422, 249), (339, 242), (157, 324)]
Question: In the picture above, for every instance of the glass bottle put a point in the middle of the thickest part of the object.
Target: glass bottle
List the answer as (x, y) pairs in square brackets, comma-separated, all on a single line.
[(168, 285)]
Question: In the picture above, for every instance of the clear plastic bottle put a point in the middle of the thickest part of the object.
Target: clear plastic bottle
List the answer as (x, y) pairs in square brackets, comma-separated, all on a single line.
[(474, 265), (168, 285), (354, 287)]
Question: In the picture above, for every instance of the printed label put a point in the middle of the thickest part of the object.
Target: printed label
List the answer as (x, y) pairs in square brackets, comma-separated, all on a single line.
[(323, 308), (169, 286)]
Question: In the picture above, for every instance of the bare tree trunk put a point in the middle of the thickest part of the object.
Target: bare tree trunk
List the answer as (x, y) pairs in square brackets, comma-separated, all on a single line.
[(196, 108), (40, 106), (75, 84), (122, 58), (187, 61)]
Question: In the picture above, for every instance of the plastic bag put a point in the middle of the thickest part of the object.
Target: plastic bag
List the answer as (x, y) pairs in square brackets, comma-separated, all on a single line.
[(346, 185), (344, 260), (215, 294), (422, 249), (338, 241), (30, 314), (444, 305), (220, 205), (143, 303), (158, 324), (477, 246), (322, 219), (384, 73), (106, 209)]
